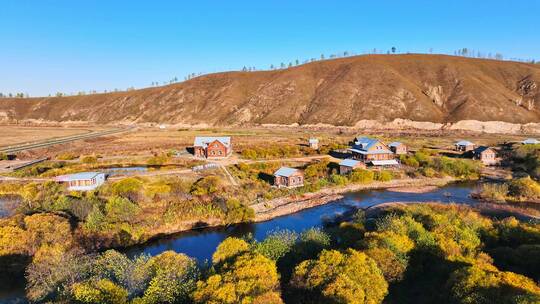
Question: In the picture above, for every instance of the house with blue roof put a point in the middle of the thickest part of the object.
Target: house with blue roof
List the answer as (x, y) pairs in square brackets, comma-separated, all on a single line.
[(288, 177), (368, 150), (83, 181), (348, 165)]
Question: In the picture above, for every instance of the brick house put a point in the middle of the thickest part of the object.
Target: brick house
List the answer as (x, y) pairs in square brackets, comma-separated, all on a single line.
[(288, 177), (369, 150), (348, 165), (212, 147), (486, 155), (398, 148), (464, 146)]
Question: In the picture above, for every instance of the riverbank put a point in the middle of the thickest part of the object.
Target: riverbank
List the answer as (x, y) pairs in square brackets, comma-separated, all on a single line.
[(282, 206)]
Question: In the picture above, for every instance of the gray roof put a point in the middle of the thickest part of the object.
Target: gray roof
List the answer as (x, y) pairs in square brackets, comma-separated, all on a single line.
[(77, 176), (348, 162), (285, 171), (464, 143), (530, 141), (395, 144), (313, 140), (203, 141)]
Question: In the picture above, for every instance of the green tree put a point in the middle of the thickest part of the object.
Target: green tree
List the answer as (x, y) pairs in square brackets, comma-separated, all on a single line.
[(119, 209)]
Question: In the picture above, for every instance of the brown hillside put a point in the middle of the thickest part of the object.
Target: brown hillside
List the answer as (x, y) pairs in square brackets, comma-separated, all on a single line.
[(343, 91)]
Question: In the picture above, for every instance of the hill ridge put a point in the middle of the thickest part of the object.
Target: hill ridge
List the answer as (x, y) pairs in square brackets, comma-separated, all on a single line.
[(343, 91)]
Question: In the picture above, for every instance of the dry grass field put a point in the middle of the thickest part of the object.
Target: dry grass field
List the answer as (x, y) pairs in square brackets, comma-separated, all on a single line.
[(145, 141), (12, 135)]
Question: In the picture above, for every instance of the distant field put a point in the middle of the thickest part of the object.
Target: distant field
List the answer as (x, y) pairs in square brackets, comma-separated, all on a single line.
[(12, 135), (145, 141)]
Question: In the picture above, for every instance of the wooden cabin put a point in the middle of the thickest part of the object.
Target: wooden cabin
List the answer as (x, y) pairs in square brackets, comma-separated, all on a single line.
[(486, 155), (464, 146), (368, 150), (398, 148), (346, 166), (212, 147), (83, 181), (288, 177)]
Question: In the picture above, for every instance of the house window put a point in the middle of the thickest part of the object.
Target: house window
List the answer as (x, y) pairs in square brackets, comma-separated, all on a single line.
[(220, 152)]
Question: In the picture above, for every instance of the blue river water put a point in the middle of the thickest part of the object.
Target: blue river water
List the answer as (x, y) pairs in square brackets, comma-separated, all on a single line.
[(200, 244)]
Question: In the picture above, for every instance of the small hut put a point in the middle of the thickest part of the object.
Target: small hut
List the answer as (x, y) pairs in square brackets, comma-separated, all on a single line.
[(464, 146), (348, 165), (288, 177)]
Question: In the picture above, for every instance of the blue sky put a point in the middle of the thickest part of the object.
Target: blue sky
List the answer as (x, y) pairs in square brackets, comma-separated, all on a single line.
[(48, 46)]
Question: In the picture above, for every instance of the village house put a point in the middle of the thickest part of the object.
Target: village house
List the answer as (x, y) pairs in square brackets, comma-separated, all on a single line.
[(372, 151), (83, 181), (530, 141), (212, 147), (398, 148), (288, 177), (464, 146), (313, 143), (486, 155), (348, 165)]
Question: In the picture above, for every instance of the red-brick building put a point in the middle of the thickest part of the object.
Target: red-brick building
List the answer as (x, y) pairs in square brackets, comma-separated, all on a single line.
[(288, 177), (212, 147)]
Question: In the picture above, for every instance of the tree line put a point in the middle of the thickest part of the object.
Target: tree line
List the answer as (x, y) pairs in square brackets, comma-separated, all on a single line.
[(463, 52)]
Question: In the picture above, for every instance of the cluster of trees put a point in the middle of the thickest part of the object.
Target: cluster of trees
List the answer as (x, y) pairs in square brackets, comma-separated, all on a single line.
[(425, 253), (467, 52), (16, 95), (276, 151), (429, 164), (526, 158)]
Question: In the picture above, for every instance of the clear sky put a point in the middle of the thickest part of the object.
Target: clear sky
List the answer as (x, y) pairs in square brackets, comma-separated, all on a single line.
[(54, 45)]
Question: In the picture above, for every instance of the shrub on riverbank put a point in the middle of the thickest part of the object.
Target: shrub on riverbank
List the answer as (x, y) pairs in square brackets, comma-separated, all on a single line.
[(521, 189), (425, 253)]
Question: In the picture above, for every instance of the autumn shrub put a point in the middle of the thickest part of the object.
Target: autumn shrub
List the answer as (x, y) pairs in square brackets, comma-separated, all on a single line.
[(238, 212), (524, 188), (340, 277), (362, 176), (206, 185), (494, 192), (120, 209), (339, 180), (486, 285), (247, 278), (67, 156), (383, 176), (158, 160), (127, 187), (88, 159)]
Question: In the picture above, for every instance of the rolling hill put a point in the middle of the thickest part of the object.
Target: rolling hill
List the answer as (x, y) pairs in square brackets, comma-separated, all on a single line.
[(434, 88)]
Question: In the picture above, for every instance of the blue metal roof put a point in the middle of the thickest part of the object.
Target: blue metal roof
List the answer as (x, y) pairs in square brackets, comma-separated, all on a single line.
[(530, 141), (78, 176), (285, 171), (348, 162)]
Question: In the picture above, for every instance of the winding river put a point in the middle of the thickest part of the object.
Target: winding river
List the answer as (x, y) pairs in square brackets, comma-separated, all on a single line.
[(200, 244)]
